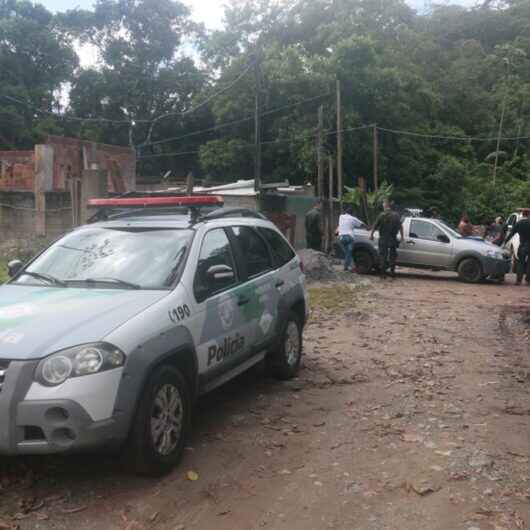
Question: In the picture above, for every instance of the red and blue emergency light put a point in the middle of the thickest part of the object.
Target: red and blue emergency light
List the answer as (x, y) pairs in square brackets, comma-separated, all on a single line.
[(189, 200)]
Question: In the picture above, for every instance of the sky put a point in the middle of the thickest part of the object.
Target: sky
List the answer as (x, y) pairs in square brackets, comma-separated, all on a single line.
[(209, 12)]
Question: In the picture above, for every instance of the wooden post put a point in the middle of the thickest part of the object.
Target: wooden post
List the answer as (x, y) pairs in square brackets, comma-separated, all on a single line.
[(375, 163), (44, 159), (189, 183), (320, 159), (257, 129), (331, 207), (339, 144)]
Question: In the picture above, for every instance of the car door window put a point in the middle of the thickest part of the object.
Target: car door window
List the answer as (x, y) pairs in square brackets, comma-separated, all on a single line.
[(281, 250), (423, 230), (215, 250), (255, 255)]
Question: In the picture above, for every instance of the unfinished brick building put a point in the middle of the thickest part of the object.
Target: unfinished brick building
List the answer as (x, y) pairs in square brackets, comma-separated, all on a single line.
[(44, 191)]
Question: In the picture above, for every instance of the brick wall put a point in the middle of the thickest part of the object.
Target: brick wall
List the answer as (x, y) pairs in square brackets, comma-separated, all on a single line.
[(17, 170)]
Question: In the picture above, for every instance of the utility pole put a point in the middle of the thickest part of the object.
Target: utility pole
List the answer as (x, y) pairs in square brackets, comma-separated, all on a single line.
[(501, 121), (320, 159), (257, 128), (339, 144), (376, 157), (331, 207)]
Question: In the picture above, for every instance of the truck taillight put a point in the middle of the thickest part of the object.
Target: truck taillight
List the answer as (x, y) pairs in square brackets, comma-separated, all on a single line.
[(301, 265)]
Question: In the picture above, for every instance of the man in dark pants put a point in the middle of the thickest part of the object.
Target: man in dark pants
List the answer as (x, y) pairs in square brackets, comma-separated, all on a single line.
[(522, 228), (313, 227), (389, 224)]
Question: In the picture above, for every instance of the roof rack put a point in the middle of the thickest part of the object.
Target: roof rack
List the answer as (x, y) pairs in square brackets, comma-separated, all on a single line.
[(231, 212)]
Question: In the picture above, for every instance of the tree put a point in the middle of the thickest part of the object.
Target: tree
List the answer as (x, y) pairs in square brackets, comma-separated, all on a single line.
[(36, 58)]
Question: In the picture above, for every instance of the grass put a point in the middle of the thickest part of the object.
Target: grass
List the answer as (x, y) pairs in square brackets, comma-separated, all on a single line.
[(3, 269), (333, 296)]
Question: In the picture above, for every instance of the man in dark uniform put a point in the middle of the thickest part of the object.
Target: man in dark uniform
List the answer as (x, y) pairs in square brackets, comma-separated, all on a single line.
[(522, 228), (389, 224), (313, 227)]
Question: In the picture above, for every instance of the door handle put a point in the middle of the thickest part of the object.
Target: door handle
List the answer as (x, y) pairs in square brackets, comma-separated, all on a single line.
[(279, 284), (242, 300), (410, 242)]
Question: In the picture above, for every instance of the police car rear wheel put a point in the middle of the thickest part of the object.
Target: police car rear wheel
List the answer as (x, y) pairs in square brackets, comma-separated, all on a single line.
[(286, 361), (161, 423)]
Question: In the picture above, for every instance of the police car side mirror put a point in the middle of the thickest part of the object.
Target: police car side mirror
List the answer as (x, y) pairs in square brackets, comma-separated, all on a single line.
[(220, 274), (13, 267)]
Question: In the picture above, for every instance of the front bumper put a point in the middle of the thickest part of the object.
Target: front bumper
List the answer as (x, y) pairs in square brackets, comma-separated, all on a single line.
[(47, 426), (496, 267)]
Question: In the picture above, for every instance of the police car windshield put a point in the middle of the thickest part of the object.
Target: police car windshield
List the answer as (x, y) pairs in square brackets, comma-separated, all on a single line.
[(111, 258)]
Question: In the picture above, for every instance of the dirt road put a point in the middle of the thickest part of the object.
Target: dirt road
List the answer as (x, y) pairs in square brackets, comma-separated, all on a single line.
[(412, 412)]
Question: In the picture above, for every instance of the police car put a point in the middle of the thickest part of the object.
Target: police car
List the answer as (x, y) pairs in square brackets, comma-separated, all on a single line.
[(108, 336)]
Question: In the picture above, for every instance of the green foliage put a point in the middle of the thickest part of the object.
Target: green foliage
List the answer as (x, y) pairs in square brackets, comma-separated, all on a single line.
[(368, 204), (219, 159), (445, 73)]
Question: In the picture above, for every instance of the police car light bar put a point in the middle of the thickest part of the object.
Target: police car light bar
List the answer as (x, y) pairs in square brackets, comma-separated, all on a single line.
[(193, 200)]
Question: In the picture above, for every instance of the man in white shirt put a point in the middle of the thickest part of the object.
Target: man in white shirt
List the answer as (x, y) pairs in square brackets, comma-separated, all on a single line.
[(346, 232)]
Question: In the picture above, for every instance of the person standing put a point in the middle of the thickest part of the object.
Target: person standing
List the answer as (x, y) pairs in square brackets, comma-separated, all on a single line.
[(346, 232), (389, 225), (522, 228), (465, 227), (495, 232), (313, 227)]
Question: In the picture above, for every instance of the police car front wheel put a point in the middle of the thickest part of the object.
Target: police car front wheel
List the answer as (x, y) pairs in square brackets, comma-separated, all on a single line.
[(161, 423)]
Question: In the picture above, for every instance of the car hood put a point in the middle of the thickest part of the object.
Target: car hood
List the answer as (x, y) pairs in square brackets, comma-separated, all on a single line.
[(476, 244), (37, 321)]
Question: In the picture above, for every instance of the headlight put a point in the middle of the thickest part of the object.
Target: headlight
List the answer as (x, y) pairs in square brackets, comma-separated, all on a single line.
[(80, 360)]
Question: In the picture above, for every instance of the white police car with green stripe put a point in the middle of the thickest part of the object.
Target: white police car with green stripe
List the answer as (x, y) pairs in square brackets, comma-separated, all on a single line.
[(108, 336)]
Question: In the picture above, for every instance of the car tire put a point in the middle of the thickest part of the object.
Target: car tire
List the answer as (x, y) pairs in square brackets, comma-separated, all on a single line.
[(161, 424), (470, 270), (284, 363), (364, 261)]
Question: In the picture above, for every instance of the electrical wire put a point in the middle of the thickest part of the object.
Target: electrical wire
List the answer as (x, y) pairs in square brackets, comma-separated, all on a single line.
[(456, 138), (235, 122), (200, 105), (129, 122), (266, 142)]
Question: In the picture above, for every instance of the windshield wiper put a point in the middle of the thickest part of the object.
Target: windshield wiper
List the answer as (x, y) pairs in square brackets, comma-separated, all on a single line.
[(117, 281), (45, 277)]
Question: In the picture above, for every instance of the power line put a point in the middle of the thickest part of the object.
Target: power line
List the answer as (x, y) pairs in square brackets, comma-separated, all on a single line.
[(266, 142), (159, 155), (200, 105), (456, 138), (129, 122), (69, 118), (235, 122)]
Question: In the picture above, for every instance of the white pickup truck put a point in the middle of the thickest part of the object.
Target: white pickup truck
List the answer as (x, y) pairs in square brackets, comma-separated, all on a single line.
[(433, 244)]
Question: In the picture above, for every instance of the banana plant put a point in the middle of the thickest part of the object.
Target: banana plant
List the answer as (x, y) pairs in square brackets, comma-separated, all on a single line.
[(368, 203)]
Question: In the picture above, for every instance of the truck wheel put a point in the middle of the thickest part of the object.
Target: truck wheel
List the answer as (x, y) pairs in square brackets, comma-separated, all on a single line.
[(364, 261), (161, 424), (470, 270), (285, 362)]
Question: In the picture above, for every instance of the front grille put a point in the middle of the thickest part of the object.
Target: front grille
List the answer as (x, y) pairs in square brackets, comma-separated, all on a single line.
[(4, 365)]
